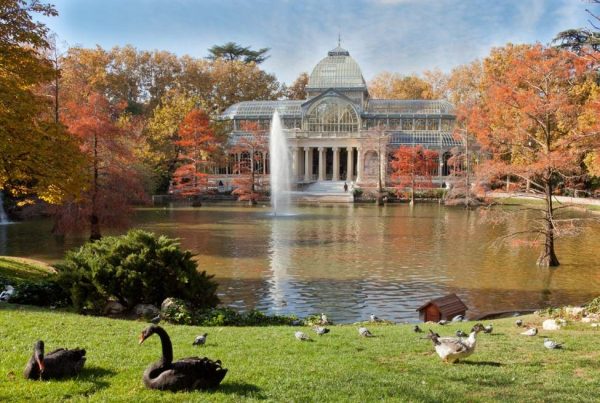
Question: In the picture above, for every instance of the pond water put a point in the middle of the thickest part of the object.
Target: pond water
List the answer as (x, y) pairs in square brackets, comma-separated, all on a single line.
[(353, 260)]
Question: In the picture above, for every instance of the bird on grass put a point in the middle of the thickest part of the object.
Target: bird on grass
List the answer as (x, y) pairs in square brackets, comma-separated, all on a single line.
[(417, 329), (532, 331), (488, 329), (519, 323), (60, 363), (460, 333), (458, 318), (374, 318), (452, 349), (364, 332), (200, 340), (189, 373), (324, 320), (551, 344), (442, 322), (155, 320), (320, 330), (301, 336)]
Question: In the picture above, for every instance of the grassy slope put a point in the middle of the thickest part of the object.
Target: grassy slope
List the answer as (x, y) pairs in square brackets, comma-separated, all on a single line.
[(23, 269), (268, 363)]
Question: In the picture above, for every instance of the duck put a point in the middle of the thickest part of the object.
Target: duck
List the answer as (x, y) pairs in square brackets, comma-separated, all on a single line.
[(324, 320), (189, 373), (200, 340), (442, 322), (551, 344), (452, 349), (301, 336), (488, 329), (518, 323), (373, 318), (532, 331), (458, 318), (320, 330), (155, 320), (417, 329), (364, 332), (60, 363)]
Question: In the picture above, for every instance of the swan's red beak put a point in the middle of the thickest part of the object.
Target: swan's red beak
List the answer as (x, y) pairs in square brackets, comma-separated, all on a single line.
[(40, 363), (141, 338)]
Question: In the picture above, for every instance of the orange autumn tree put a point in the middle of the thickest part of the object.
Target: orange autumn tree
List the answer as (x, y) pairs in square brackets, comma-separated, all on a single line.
[(413, 168), (196, 142), (537, 117), (254, 143), (113, 186)]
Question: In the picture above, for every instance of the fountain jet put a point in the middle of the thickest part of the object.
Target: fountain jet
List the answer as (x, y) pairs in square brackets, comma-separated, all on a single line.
[(279, 167)]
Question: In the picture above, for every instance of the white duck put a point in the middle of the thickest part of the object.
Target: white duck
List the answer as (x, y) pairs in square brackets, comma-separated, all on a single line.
[(452, 349), (301, 336), (364, 332), (551, 344)]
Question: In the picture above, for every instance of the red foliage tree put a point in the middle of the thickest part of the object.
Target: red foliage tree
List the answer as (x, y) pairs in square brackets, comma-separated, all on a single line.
[(196, 143), (413, 167), (254, 143), (113, 186), (537, 117)]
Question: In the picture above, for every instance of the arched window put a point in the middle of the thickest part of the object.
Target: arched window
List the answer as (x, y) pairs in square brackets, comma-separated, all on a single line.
[(332, 115)]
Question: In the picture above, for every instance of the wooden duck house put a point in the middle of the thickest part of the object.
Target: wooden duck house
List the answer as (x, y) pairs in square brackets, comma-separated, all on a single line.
[(443, 308)]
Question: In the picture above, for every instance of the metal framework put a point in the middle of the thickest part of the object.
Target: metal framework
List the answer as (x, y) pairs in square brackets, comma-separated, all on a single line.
[(332, 115)]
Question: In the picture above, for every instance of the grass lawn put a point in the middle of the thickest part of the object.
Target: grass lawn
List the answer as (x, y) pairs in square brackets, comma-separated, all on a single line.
[(23, 269), (268, 363)]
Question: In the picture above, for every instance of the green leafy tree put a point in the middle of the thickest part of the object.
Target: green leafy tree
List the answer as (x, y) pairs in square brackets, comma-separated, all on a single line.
[(138, 267), (232, 51)]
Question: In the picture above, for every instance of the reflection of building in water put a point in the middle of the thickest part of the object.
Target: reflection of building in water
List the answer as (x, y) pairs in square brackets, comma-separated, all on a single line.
[(331, 132)]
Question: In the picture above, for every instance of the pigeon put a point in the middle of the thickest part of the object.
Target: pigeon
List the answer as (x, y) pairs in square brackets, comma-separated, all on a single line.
[(320, 330), (519, 323), (374, 318), (460, 333), (551, 344), (442, 322), (301, 336), (417, 329), (364, 332), (155, 320), (458, 318), (488, 329), (324, 320), (200, 340), (532, 331), (297, 322)]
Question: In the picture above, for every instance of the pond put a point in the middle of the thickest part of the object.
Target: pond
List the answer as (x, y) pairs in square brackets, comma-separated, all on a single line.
[(353, 260)]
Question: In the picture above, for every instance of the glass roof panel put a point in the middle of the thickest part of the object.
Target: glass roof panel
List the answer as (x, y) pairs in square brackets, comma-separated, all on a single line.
[(404, 107), (337, 70), (263, 109), (424, 138)]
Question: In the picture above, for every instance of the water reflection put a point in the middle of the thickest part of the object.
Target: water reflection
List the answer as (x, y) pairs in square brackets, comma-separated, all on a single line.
[(350, 261)]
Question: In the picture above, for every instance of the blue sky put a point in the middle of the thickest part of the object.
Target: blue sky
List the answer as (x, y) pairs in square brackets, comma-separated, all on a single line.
[(405, 36)]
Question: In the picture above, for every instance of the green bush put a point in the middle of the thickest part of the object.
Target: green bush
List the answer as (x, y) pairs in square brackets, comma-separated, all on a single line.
[(138, 267), (36, 292)]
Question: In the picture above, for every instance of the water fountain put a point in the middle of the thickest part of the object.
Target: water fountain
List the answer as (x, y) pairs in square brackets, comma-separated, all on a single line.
[(3, 217), (279, 167)]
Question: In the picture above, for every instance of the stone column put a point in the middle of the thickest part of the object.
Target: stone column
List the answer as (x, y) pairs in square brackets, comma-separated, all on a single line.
[(359, 165), (336, 164), (306, 164), (349, 173), (322, 163), (383, 166), (295, 164)]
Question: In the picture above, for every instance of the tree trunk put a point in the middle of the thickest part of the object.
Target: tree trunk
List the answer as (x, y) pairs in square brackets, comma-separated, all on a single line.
[(548, 256), (94, 221)]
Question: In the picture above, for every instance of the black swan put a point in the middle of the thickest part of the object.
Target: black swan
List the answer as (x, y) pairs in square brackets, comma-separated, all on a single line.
[(60, 363), (186, 374)]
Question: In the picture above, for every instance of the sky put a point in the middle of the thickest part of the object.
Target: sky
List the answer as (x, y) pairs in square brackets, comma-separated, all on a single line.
[(403, 36)]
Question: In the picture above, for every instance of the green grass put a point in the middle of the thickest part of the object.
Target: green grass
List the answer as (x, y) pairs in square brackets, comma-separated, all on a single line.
[(22, 269), (268, 363)]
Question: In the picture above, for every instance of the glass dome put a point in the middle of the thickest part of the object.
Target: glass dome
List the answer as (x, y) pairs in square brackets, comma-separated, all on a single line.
[(337, 70)]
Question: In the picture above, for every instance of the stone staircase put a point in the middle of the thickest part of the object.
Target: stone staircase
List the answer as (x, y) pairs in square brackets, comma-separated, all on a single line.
[(324, 192)]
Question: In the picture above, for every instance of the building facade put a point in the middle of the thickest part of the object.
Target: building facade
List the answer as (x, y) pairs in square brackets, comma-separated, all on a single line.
[(340, 133)]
